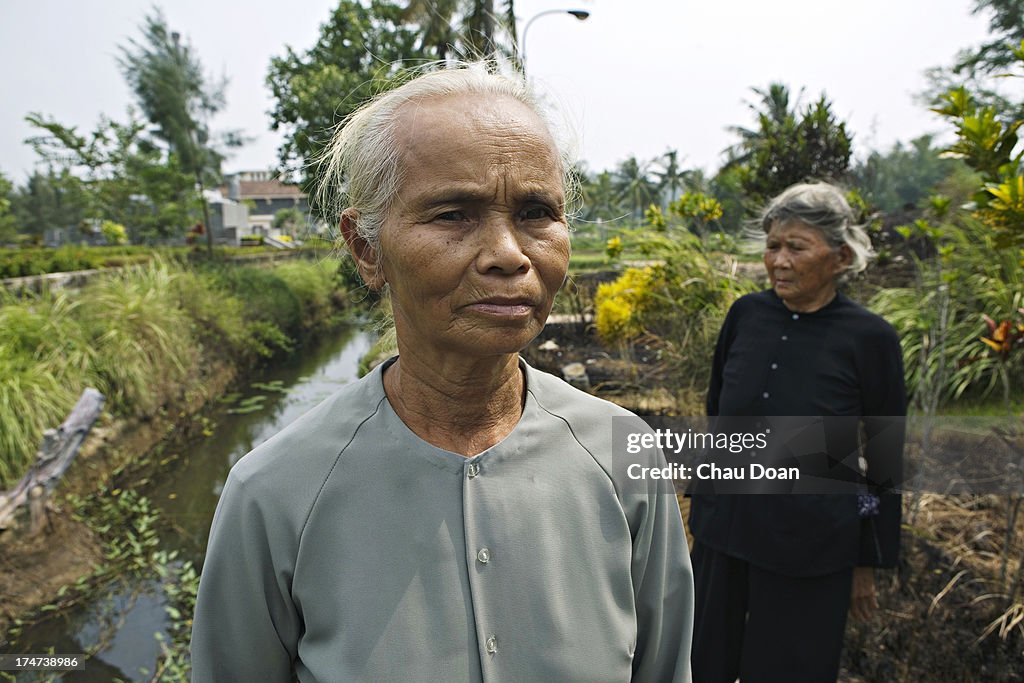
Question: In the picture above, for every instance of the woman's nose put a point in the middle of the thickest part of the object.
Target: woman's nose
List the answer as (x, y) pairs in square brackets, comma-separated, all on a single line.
[(500, 247)]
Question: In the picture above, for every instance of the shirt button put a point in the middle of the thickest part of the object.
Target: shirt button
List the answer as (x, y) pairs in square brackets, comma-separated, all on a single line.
[(775, 366), (484, 556), (474, 469), (796, 317), (491, 645), (765, 394), (784, 337)]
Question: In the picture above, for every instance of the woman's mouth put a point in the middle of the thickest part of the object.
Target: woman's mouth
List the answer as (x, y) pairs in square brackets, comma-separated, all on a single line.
[(503, 307)]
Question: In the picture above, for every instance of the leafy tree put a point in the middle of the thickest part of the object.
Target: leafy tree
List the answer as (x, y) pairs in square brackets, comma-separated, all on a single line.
[(356, 56), (482, 28), (114, 233), (49, 200), (904, 176), (289, 221), (698, 211), (116, 173), (789, 146), (973, 66), (8, 221), (167, 79), (436, 21), (1006, 24), (988, 142), (727, 188)]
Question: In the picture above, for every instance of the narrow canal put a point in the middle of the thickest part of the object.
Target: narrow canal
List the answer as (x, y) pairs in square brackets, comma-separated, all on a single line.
[(120, 624)]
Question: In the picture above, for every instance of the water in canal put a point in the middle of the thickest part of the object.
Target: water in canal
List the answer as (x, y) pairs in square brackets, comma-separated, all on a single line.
[(123, 620)]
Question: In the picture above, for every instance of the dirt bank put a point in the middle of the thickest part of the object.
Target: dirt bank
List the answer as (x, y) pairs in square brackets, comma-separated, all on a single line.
[(33, 570)]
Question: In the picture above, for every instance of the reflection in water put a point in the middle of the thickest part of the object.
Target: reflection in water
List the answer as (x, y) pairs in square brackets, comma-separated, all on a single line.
[(120, 624)]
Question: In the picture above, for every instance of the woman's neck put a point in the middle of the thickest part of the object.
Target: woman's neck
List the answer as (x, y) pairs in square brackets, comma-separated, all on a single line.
[(460, 406), (819, 302)]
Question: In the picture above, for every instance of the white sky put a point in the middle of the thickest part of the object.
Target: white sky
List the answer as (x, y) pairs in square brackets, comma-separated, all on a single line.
[(638, 77)]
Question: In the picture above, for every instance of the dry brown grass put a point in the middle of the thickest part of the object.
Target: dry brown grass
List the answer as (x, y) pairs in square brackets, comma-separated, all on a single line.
[(945, 615)]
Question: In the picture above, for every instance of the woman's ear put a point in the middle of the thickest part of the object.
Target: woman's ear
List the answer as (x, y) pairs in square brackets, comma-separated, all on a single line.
[(845, 257), (365, 255)]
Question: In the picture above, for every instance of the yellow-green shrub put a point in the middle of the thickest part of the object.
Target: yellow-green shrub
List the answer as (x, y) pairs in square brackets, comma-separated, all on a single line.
[(676, 304), (620, 306)]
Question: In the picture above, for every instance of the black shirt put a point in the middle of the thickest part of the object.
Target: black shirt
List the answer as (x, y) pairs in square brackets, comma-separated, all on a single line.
[(841, 360)]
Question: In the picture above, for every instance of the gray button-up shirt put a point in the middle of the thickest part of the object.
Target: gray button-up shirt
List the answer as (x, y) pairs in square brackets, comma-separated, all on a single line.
[(346, 548)]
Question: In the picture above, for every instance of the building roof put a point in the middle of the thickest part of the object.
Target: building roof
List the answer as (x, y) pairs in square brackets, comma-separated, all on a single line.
[(260, 189)]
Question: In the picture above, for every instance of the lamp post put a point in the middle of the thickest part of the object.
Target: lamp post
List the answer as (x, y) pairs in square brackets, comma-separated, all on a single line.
[(580, 14)]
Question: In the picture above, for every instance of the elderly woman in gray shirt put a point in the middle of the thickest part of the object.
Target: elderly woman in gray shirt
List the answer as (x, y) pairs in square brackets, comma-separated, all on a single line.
[(455, 515)]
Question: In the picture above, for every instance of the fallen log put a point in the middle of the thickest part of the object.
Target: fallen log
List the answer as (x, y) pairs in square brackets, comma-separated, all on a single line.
[(59, 448)]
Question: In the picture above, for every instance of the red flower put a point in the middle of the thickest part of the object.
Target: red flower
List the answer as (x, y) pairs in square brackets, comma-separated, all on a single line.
[(1003, 335)]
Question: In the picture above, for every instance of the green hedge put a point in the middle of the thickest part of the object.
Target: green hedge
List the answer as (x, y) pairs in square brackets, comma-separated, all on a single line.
[(24, 262)]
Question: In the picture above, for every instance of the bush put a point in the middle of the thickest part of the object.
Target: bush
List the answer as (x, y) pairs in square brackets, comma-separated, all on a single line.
[(217, 317), (622, 306), (941, 320), (312, 284), (676, 304), (266, 297)]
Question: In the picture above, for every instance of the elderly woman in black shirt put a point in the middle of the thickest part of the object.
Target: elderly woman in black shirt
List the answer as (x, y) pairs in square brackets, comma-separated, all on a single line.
[(776, 574)]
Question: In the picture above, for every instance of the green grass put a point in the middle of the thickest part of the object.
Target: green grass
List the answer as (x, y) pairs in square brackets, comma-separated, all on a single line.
[(42, 260), (141, 336), (595, 260), (991, 406), (583, 262)]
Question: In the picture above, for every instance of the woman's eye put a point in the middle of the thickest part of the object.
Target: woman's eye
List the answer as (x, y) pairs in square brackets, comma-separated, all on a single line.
[(534, 213), (451, 216)]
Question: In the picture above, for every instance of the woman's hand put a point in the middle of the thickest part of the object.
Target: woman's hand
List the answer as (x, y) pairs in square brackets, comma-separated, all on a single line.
[(863, 599)]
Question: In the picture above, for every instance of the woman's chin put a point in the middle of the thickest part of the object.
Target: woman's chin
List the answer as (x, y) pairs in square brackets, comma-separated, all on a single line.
[(489, 343)]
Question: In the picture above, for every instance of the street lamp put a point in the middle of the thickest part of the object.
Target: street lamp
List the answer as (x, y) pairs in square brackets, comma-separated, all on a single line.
[(580, 14)]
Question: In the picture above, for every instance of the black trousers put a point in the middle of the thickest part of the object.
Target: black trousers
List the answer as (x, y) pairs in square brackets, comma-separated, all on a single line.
[(762, 627)]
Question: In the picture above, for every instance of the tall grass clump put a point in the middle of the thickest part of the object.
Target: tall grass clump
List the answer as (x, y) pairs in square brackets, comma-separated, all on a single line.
[(312, 284), (44, 361), (216, 317), (141, 335), (266, 297), (32, 399)]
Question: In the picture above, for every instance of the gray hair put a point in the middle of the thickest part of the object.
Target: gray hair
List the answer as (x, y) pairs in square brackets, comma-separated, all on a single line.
[(361, 168), (822, 206)]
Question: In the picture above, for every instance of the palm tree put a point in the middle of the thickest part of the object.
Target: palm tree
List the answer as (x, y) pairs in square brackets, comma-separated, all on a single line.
[(771, 112), (600, 197), (671, 178), (436, 21), (466, 28), (634, 185)]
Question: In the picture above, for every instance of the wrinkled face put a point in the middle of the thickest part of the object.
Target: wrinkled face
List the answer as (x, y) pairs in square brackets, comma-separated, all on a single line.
[(476, 244), (802, 266)]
